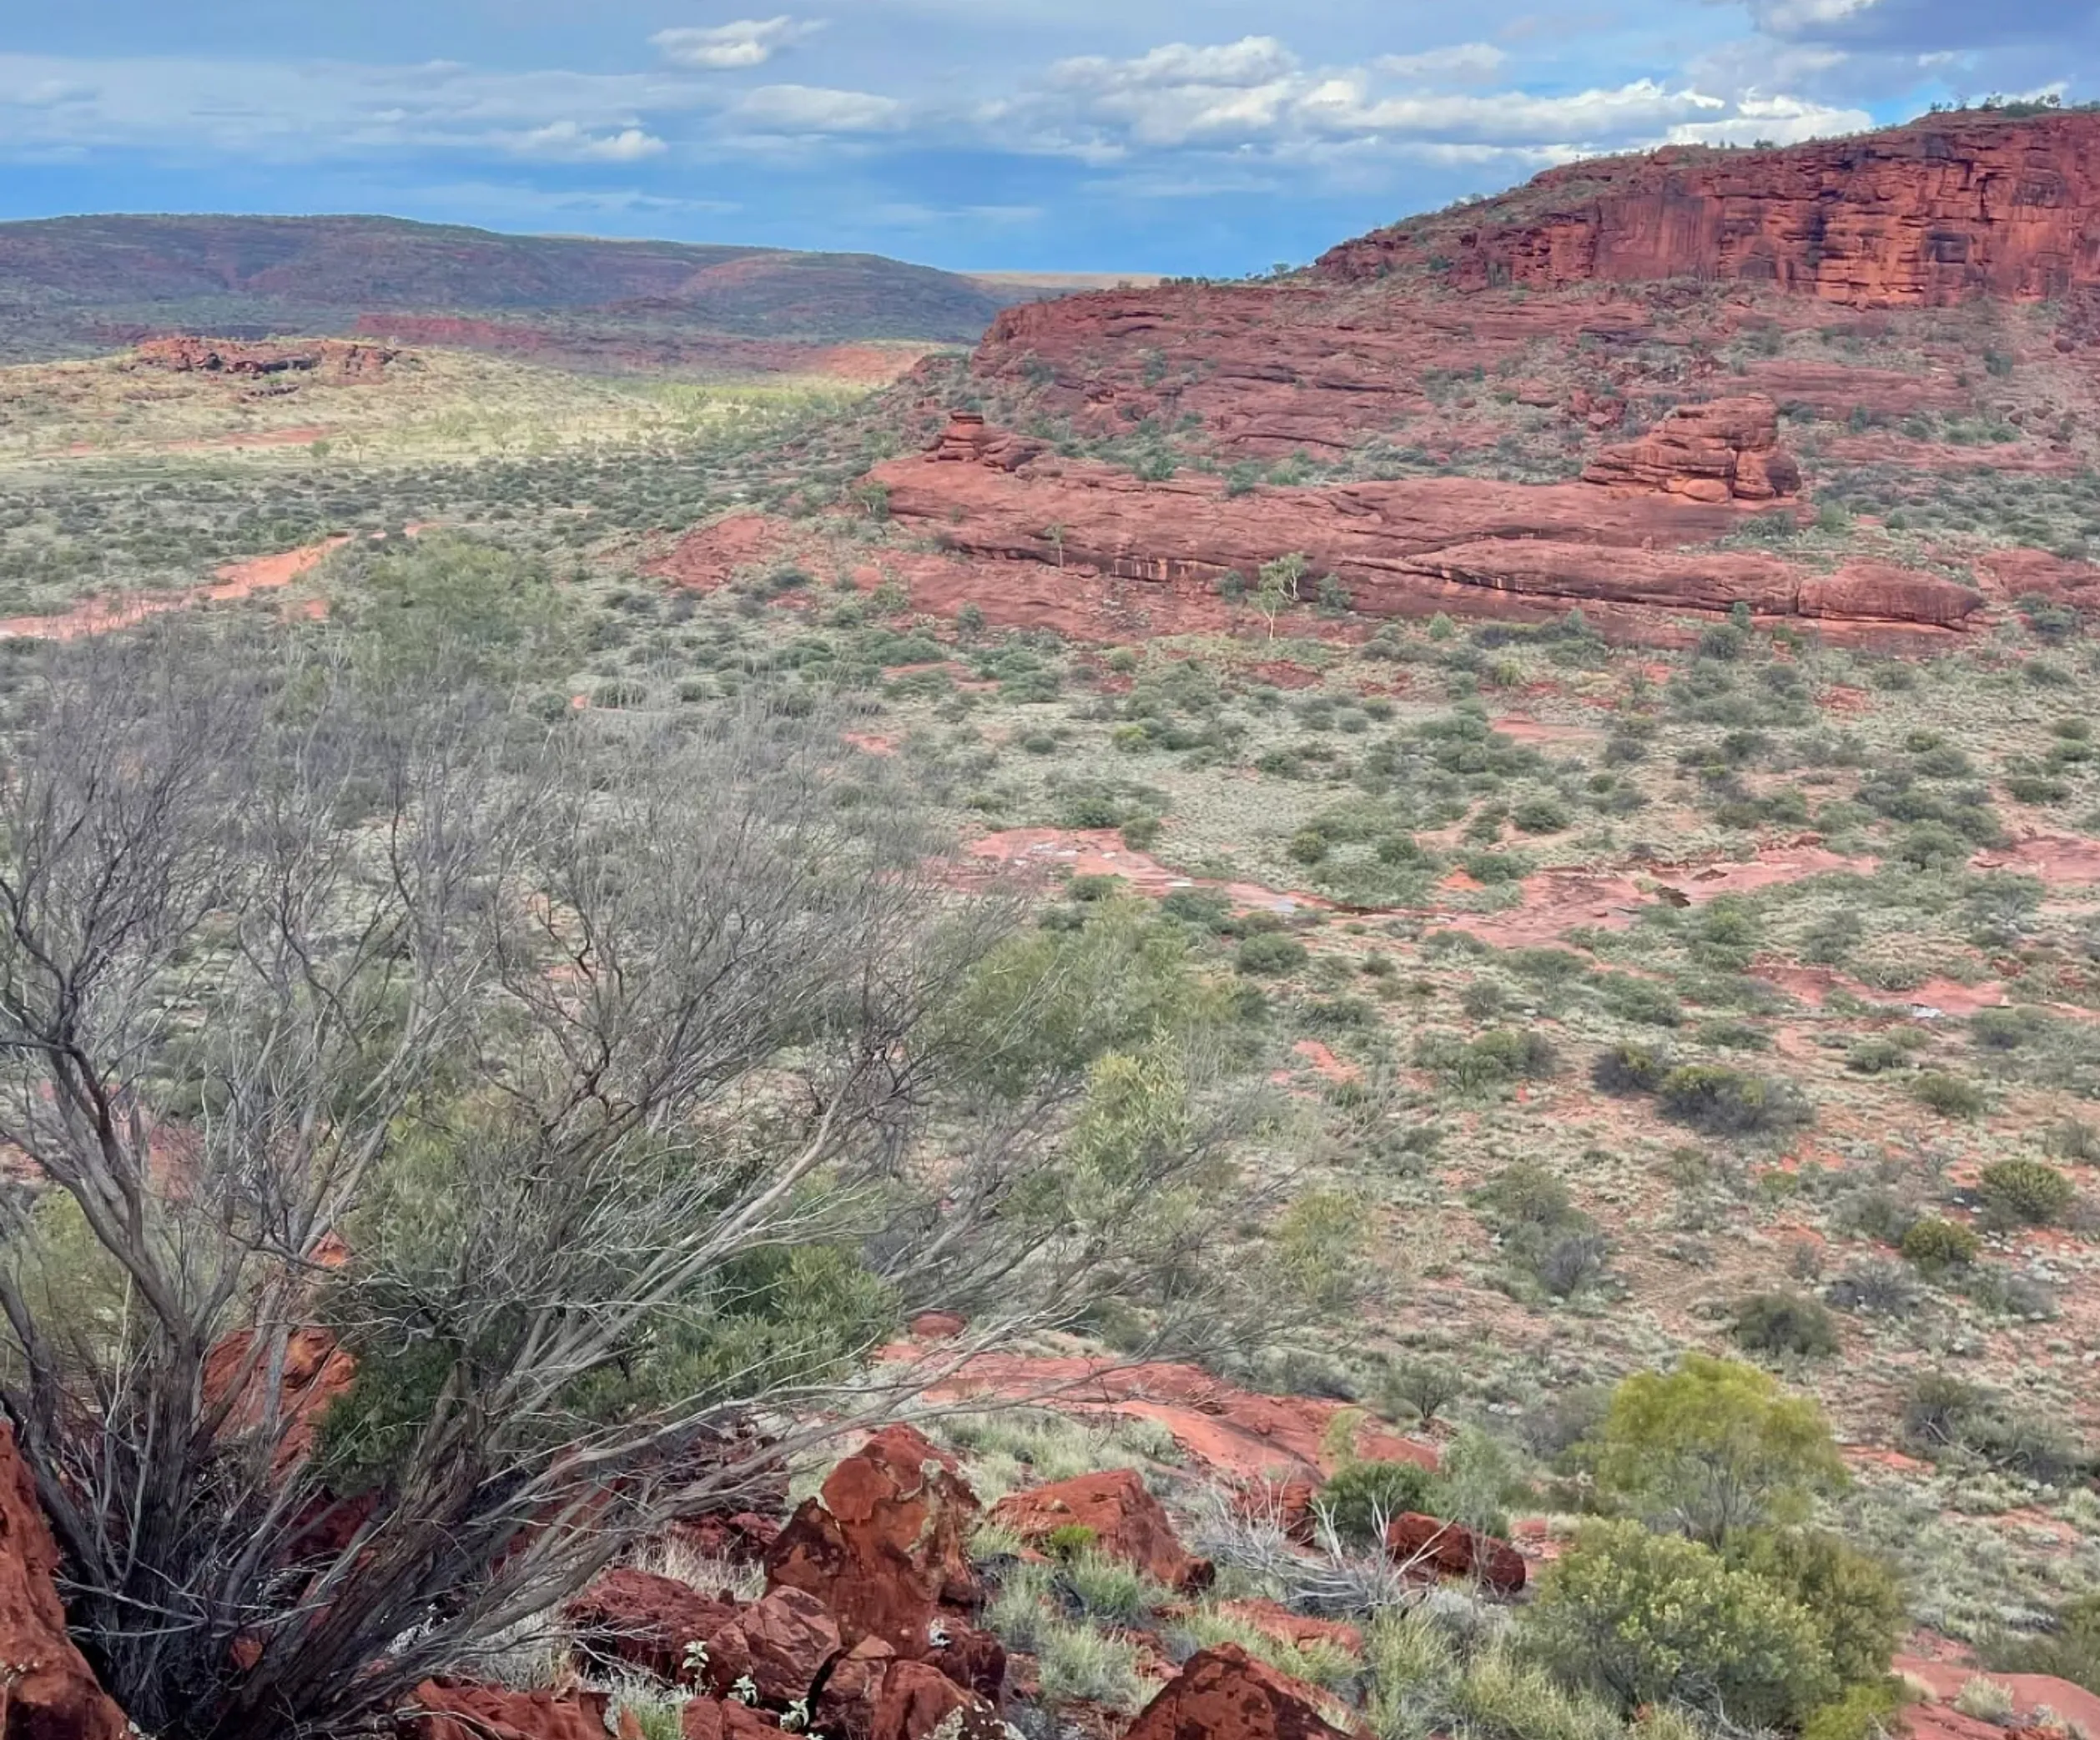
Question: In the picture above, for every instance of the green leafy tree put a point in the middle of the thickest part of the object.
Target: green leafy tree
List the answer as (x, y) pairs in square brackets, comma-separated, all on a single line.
[(1712, 1447)]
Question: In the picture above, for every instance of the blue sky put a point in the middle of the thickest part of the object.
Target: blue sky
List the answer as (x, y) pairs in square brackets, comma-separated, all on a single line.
[(1163, 135)]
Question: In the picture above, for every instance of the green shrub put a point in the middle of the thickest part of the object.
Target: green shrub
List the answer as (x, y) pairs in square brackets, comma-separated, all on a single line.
[(1655, 1619), (1855, 1599), (1785, 1322), (1068, 1539), (1625, 1070), (1308, 847), (1952, 1096), (1713, 1447), (1723, 1102), (1362, 1496), (2024, 1192), (1937, 1246), (1271, 951), (1865, 1712), (1946, 1419)]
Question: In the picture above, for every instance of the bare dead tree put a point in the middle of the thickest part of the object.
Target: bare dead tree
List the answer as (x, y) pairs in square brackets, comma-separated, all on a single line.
[(601, 1089)]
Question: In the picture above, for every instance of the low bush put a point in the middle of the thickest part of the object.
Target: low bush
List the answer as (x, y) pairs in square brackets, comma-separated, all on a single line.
[(2069, 1650), (1946, 1419), (1936, 1245), (1785, 1322), (1650, 1620), (1724, 1101), (1270, 953), (2024, 1192), (1952, 1096), (1362, 1496), (1629, 1070)]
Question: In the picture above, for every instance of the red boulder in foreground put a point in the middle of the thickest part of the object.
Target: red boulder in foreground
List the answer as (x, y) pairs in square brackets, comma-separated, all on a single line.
[(885, 1546), (1127, 1523), (48, 1693), (1451, 1549), (1223, 1693), (645, 1621), (465, 1710)]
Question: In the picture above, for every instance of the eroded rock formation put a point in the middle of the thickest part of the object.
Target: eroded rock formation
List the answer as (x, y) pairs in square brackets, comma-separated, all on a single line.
[(48, 1692), (331, 360), (1726, 449), (1949, 207), (1451, 1549), (1408, 547)]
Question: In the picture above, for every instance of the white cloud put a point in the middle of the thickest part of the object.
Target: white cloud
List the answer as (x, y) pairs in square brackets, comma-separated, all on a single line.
[(1777, 120), (566, 141), (801, 109), (1784, 16), (1467, 61), (726, 47), (1252, 61)]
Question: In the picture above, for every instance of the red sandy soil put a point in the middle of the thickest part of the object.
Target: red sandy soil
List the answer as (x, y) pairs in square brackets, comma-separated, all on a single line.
[(1556, 902), (2058, 860), (869, 743), (237, 580), (2030, 1691), (1232, 1432), (1100, 851), (1324, 1062)]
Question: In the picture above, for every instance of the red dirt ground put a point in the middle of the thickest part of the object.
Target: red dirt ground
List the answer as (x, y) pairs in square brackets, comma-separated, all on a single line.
[(1232, 1432), (237, 580)]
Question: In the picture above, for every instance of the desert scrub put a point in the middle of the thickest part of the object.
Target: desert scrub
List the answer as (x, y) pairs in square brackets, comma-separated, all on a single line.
[(1269, 953), (2024, 1192), (1317, 1662), (1937, 1246), (1719, 1101), (1646, 1619), (1428, 1677), (1544, 1237), (1785, 1322), (1950, 1095), (1361, 1497), (1494, 1060)]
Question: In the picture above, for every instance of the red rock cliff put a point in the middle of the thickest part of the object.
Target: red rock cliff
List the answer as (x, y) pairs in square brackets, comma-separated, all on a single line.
[(1948, 208)]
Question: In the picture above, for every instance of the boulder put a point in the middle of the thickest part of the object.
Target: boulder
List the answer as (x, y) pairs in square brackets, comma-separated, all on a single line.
[(884, 1544), (1223, 1693), (738, 1538), (846, 1708), (783, 1643), (645, 1621), (466, 1710), (1124, 1519), (1725, 450), (711, 1718), (1451, 1549), (917, 1700), (48, 1692)]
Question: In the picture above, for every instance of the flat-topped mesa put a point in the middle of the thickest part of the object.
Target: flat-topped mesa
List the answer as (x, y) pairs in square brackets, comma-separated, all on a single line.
[(1726, 449), (1950, 208)]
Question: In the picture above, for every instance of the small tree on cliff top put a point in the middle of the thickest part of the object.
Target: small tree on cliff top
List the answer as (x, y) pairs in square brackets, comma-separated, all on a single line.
[(1278, 586), (588, 1086)]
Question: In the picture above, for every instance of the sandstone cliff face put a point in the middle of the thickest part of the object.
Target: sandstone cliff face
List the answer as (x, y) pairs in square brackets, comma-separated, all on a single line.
[(1951, 207)]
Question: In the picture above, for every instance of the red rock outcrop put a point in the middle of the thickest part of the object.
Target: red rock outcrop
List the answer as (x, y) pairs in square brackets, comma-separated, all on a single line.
[(884, 1545), (645, 1621), (916, 1701), (317, 1373), (1125, 1519), (710, 1718), (1950, 207), (1223, 1693), (1725, 450), (782, 1645), (1451, 1549), (1403, 548), (467, 1710), (336, 361), (48, 1693)]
